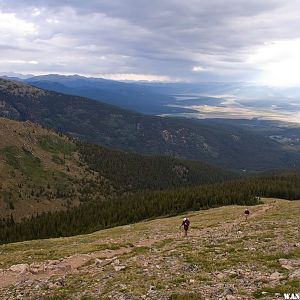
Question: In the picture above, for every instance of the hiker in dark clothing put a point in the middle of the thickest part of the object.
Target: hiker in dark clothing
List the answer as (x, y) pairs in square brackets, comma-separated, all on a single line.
[(247, 213), (185, 224)]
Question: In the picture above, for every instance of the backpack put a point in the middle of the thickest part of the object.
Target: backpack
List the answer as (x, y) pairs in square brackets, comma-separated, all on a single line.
[(186, 223)]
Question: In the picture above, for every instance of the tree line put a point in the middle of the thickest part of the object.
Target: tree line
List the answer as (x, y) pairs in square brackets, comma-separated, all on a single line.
[(130, 208)]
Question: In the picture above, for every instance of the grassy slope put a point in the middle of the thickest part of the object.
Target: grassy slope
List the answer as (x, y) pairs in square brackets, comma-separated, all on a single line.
[(40, 170), (223, 255)]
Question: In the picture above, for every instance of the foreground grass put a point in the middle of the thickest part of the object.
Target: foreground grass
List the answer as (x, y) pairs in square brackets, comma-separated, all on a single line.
[(223, 254)]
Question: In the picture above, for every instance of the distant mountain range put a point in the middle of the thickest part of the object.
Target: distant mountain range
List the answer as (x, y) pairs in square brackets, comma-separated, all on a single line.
[(225, 145), (194, 100), (135, 97)]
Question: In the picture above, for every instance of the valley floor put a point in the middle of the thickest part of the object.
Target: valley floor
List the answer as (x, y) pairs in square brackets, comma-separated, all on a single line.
[(224, 257)]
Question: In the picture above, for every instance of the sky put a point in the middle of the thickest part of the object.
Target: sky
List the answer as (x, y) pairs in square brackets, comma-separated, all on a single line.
[(157, 40)]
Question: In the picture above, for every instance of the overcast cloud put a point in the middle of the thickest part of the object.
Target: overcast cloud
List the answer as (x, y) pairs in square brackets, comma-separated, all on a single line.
[(192, 40)]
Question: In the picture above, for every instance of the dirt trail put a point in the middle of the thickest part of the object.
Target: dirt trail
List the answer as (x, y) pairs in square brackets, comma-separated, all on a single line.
[(257, 213), (45, 270), (72, 264)]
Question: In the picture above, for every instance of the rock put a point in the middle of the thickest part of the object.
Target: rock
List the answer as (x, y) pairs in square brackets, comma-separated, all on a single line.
[(152, 289), (38, 286), (220, 276), (230, 291), (119, 268), (276, 276), (289, 264), (123, 297), (60, 282), (192, 280), (233, 273), (103, 263), (57, 284), (35, 266), (52, 286), (98, 262), (35, 271), (190, 268), (230, 297), (53, 262), (64, 267), (119, 296), (295, 274), (20, 268)]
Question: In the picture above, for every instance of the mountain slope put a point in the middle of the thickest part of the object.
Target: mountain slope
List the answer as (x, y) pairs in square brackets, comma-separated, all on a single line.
[(135, 172), (42, 171), (100, 123), (224, 257)]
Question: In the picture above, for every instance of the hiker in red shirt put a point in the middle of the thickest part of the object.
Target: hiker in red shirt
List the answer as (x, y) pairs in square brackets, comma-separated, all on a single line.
[(185, 224)]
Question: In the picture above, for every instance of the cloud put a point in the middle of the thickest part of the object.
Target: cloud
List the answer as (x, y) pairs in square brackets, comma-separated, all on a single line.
[(192, 40)]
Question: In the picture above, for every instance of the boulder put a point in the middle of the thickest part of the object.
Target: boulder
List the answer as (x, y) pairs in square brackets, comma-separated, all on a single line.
[(19, 268), (276, 276), (119, 268), (35, 271)]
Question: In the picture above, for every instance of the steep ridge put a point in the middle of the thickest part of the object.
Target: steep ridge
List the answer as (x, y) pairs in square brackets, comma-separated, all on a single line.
[(224, 257), (110, 126)]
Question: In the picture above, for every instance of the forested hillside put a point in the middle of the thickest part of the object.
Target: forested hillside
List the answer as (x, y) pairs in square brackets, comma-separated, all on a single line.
[(44, 171), (90, 217), (41, 171), (135, 172), (107, 125), (132, 208)]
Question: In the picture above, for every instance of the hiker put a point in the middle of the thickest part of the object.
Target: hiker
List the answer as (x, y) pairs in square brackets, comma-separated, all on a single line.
[(247, 213), (185, 224)]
